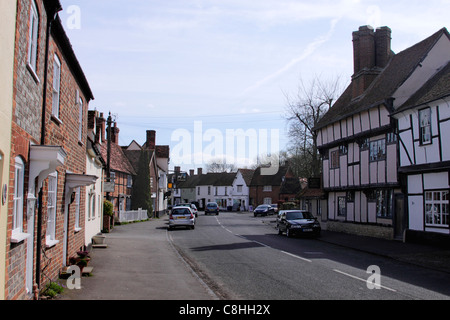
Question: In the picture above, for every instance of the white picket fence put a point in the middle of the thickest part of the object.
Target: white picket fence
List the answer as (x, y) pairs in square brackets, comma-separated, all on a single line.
[(135, 215)]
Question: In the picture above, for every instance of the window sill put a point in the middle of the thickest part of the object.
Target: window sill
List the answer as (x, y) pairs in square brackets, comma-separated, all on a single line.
[(56, 119), (33, 73), (51, 243), (78, 230), (19, 237)]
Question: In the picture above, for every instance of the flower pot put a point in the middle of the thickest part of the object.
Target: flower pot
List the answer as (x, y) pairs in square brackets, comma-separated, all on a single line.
[(99, 239)]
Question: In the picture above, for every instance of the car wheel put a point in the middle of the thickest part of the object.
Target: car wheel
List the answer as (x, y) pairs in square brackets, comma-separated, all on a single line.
[(193, 227)]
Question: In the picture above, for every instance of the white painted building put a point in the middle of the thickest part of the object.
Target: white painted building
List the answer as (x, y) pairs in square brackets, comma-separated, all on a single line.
[(215, 187), (94, 193), (240, 190), (424, 127)]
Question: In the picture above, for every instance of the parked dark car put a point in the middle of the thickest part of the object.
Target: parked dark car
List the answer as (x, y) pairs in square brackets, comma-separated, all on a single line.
[(212, 207), (263, 210), (296, 222)]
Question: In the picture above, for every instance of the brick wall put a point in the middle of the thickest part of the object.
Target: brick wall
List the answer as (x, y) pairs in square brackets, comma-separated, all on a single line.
[(26, 129)]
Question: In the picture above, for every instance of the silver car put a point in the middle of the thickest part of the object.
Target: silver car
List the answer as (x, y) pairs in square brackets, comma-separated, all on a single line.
[(181, 216)]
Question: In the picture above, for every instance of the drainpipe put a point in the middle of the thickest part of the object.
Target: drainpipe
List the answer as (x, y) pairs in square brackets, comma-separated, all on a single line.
[(50, 18)]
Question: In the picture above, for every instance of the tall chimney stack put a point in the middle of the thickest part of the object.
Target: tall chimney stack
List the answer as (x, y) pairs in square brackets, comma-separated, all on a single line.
[(371, 53), (115, 134), (151, 139)]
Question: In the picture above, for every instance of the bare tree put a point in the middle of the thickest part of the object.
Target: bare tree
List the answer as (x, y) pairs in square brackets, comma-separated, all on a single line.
[(219, 166), (303, 112)]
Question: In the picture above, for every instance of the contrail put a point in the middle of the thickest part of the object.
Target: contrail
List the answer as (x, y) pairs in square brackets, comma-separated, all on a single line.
[(306, 53)]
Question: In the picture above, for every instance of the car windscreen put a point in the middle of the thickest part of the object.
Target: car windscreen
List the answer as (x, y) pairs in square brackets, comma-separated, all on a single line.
[(180, 211), (211, 205), (298, 215)]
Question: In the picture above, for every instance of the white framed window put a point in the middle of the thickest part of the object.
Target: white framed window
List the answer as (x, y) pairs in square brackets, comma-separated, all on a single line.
[(51, 209), (33, 36), (267, 188), (18, 196), (56, 86), (80, 118), (239, 188), (267, 200), (425, 126), (77, 209), (91, 205), (436, 208)]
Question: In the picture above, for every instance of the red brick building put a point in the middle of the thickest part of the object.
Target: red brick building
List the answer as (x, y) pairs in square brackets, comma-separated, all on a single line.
[(48, 151), (270, 189)]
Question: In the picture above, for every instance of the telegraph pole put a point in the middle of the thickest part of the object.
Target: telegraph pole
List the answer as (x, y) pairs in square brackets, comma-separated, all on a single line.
[(108, 157)]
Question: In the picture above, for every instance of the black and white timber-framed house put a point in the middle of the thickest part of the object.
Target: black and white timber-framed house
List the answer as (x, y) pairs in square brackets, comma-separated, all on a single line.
[(358, 137)]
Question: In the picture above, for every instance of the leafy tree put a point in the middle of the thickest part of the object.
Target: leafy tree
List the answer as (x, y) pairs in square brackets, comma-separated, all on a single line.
[(141, 194)]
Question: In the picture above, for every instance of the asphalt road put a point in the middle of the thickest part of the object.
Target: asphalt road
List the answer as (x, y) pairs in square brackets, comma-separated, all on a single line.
[(242, 257)]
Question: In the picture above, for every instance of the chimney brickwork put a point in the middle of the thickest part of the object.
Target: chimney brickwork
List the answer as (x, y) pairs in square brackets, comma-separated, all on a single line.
[(371, 53)]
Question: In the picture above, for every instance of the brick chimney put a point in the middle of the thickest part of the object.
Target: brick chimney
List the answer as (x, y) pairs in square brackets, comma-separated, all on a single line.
[(371, 53), (199, 171), (383, 46), (191, 172), (151, 139), (101, 128), (115, 134)]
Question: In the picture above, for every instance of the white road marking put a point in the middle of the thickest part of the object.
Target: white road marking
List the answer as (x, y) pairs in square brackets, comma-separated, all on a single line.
[(364, 280), (295, 256)]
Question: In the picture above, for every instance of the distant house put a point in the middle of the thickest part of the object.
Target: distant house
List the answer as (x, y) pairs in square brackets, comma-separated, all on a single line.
[(358, 138), (240, 192), (312, 198), (270, 189), (424, 126), (215, 187), (158, 168)]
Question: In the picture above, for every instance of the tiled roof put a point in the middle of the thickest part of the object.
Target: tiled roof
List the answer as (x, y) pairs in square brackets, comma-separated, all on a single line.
[(383, 87), (247, 174), (268, 180), (435, 88), (119, 162)]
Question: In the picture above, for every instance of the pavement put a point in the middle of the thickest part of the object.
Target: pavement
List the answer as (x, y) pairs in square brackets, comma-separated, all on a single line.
[(156, 270), (139, 263)]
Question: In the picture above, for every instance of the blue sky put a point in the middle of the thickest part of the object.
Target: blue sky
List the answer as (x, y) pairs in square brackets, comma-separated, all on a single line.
[(227, 64)]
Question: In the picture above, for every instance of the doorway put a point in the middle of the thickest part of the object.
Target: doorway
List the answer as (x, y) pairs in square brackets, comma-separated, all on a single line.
[(400, 218)]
